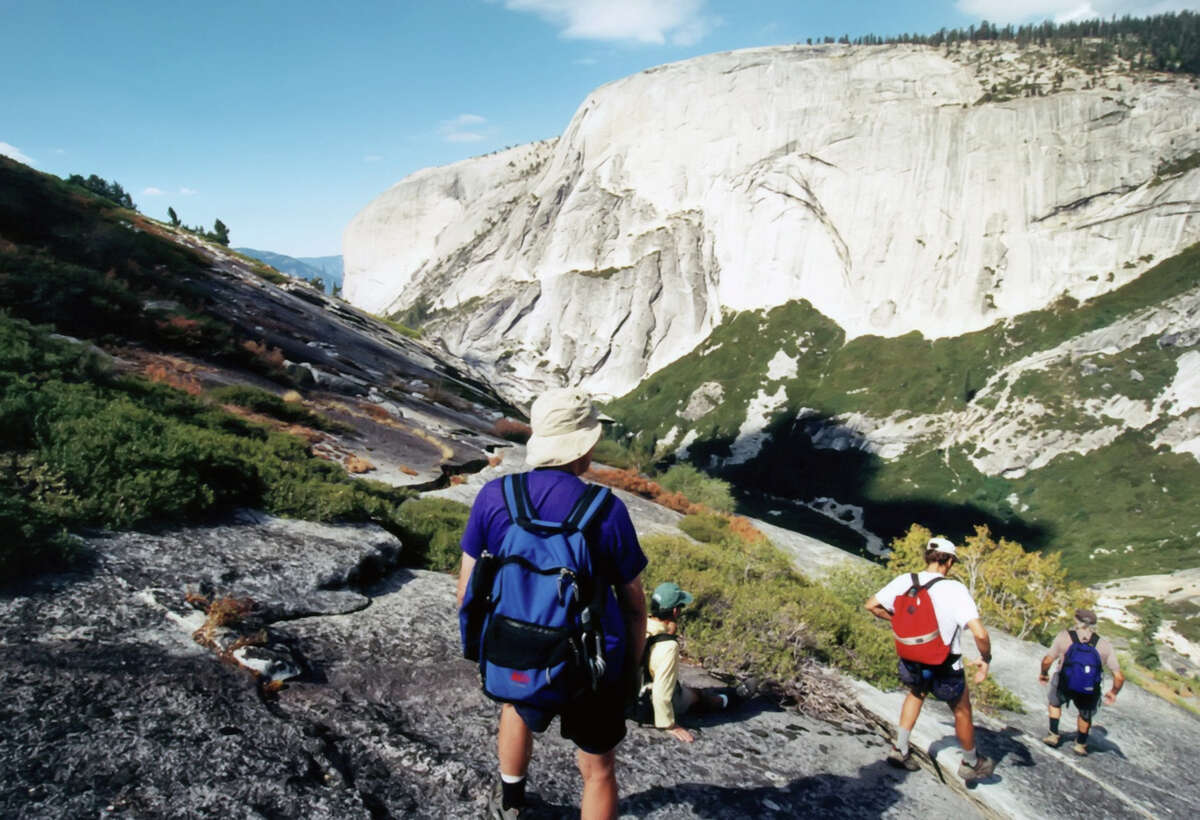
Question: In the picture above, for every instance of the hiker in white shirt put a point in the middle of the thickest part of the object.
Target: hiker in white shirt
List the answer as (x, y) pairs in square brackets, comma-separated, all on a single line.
[(955, 610)]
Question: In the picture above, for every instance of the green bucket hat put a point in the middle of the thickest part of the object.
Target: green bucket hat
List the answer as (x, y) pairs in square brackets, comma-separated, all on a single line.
[(669, 595)]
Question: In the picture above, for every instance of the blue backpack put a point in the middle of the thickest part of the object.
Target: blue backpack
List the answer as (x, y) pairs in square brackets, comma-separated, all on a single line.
[(532, 613), (1082, 669)]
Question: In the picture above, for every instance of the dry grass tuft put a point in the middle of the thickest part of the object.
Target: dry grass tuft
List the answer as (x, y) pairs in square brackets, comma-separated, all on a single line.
[(512, 430), (293, 397), (272, 357), (358, 464)]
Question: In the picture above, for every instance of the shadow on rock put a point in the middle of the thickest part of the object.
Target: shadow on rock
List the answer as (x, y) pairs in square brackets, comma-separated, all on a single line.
[(871, 794)]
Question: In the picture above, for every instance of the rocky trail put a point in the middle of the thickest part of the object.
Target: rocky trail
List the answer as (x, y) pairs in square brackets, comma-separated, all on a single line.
[(123, 701)]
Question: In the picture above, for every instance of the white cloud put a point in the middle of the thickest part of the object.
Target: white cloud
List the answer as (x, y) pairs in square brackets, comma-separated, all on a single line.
[(463, 128), (372, 158), (186, 192), (152, 191), (1019, 11), (13, 152), (653, 22), (586, 61)]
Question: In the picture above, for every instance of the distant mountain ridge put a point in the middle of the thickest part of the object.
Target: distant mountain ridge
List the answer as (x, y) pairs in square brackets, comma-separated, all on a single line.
[(326, 268)]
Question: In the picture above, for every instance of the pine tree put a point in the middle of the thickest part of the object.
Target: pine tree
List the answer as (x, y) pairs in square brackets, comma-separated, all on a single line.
[(220, 233), (174, 217)]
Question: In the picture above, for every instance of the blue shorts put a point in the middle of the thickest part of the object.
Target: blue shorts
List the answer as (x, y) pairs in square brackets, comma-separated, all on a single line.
[(944, 682), (594, 722)]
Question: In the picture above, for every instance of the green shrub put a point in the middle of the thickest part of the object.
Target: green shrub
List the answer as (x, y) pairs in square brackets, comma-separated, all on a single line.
[(755, 616), (705, 527), (83, 447), (432, 530), (269, 404), (699, 487)]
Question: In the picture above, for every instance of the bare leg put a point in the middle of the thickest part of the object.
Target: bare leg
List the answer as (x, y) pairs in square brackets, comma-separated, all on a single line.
[(964, 725), (1084, 726), (514, 744), (599, 785), (910, 710), (1055, 712)]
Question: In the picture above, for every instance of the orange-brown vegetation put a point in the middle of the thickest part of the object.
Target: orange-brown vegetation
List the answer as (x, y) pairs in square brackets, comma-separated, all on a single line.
[(307, 433), (358, 464), (408, 470), (458, 479), (270, 356), (176, 326), (376, 412), (164, 373), (221, 613), (632, 482), (512, 430)]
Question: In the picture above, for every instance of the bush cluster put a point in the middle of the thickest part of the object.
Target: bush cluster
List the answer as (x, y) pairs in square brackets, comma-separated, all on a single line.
[(82, 446), (755, 616), (432, 530), (1026, 594)]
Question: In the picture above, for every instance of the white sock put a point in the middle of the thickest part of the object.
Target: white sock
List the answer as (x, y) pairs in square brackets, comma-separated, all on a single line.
[(511, 778), (902, 740), (970, 758)]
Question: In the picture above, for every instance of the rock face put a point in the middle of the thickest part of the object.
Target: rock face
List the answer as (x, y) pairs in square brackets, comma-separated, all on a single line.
[(870, 181), (112, 708)]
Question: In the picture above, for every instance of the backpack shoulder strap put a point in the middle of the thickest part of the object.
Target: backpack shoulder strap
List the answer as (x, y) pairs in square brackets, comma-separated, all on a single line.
[(932, 581), (1074, 636), (650, 642), (914, 584), (516, 498), (587, 507), (1095, 639)]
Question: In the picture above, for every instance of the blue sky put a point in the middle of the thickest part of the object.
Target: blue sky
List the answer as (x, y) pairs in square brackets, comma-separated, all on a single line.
[(285, 117)]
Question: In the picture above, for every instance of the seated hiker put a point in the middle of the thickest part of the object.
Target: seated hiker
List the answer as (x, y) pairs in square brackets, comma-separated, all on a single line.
[(928, 643), (1079, 677), (669, 697)]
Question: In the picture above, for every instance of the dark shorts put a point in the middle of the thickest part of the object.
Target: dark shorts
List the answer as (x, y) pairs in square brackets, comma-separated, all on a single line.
[(1086, 704), (943, 682), (595, 722)]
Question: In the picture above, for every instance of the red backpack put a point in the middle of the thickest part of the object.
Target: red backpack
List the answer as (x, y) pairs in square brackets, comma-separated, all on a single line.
[(915, 625)]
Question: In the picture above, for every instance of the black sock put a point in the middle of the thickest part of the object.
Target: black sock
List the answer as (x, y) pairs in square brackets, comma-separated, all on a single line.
[(1054, 726), (514, 794), (1081, 738)]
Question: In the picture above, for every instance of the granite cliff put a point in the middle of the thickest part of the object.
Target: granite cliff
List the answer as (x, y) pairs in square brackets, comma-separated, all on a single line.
[(891, 187)]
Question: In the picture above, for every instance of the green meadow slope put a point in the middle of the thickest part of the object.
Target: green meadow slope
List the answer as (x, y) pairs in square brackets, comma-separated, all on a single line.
[(1055, 428)]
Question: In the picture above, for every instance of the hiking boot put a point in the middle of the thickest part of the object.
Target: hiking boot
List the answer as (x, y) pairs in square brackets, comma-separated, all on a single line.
[(984, 766), (902, 761), (1052, 740), (1080, 749), (495, 805)]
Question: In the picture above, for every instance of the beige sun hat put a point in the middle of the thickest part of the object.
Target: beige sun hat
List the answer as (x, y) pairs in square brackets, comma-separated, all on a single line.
[(566, 425)]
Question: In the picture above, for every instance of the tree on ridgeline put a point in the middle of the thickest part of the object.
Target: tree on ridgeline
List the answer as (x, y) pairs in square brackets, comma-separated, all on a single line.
[(220, 233), (111, 191), (174, 217)]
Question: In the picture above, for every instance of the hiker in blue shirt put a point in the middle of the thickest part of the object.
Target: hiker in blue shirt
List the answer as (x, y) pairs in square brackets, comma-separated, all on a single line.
[(566, 427), (1078, 680)]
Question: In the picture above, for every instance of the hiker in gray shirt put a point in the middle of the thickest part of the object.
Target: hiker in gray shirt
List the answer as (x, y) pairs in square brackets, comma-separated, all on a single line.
[(1079, 677)]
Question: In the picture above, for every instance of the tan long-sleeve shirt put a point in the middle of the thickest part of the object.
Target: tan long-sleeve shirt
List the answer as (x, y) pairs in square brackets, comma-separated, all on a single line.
[(664, 670)]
